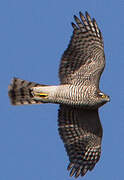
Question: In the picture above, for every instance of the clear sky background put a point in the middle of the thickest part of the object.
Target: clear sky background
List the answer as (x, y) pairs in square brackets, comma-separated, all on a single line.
[(33, 36)]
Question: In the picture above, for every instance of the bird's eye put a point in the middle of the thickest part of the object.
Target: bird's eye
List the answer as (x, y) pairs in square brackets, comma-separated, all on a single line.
[(103, 96)]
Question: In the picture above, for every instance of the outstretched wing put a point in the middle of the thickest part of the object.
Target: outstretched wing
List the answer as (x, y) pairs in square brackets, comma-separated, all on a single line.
[(84, 58), (81, 132)]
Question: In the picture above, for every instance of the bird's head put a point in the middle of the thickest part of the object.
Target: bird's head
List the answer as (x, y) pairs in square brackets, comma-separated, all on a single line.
[(103, 97)]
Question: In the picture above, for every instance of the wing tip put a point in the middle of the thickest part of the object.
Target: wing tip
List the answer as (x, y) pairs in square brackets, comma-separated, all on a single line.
[(74, 26), (77, 170), (87, 24)]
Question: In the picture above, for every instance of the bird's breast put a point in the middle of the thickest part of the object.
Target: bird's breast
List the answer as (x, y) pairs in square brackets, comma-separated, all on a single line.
[(75, 95)]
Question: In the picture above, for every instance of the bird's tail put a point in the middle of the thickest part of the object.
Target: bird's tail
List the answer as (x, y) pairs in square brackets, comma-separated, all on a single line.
[(20, 92)]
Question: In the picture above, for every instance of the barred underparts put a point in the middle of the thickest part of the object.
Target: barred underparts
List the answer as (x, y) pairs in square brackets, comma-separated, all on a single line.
[(78, 94)]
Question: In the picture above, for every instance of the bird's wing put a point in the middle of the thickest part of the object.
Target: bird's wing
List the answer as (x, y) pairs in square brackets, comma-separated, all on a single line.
[(81, 132), (84, 58)]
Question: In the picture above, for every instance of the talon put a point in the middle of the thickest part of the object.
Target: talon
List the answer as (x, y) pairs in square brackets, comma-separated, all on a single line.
[(43, 95)]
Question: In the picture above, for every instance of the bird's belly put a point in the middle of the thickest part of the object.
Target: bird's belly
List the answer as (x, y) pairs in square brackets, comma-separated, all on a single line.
[(74, 95)]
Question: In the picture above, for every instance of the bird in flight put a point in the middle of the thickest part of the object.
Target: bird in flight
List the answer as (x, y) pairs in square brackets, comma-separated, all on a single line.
[(78, 94)]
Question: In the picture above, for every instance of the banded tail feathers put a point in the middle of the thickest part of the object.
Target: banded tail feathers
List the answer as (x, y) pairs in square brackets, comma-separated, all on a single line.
[(21, 92)]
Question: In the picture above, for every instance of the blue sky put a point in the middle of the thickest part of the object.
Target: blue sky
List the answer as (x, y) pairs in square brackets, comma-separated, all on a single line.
[(33, 36)]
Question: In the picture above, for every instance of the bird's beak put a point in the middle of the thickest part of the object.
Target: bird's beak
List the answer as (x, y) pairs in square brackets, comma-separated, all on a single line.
[(109, 99)]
